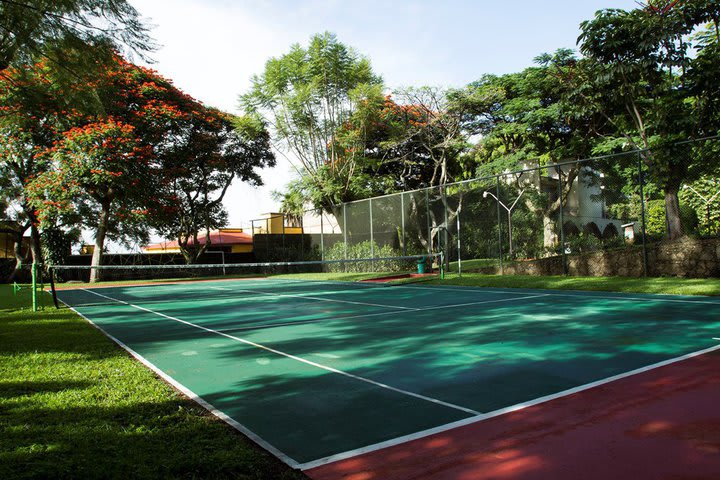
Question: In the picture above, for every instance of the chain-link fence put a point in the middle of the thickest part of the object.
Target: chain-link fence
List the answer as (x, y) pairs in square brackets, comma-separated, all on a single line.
[(644, 212)]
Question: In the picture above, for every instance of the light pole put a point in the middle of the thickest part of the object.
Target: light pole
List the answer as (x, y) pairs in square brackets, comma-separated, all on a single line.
[(509, 214), (708, 202)]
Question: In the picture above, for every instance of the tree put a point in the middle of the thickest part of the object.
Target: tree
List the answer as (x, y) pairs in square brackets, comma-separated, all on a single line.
[(100, 170), (32, 110), (305, 96), (523, 120), (210, 152), (62, 31), (105, 168), (638, 72)]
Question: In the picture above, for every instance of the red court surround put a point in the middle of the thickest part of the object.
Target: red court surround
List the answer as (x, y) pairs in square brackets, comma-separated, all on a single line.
[(662, 424)]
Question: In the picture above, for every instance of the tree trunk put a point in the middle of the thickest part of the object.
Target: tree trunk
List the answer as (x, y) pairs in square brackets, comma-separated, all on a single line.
[(35, 248), (17, 251), (550, 236), (100, 233), (672, 213)]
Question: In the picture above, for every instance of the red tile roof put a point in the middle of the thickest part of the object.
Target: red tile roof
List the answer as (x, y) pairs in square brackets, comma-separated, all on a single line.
[(218, 238)]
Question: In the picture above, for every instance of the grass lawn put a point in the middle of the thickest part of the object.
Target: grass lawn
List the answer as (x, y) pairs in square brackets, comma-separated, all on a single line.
[(661, 285), (73, 404)]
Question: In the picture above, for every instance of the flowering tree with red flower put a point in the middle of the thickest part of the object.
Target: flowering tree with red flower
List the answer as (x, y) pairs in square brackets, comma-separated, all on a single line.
[(143, 155), (33, 108), (97, 171)]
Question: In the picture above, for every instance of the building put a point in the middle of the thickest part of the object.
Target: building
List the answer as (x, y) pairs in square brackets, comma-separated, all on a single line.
[(277, 224), (584, 209), (226, 240)]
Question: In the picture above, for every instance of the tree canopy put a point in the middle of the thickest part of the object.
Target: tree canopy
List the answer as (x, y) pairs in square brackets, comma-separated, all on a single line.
[(62, 30)]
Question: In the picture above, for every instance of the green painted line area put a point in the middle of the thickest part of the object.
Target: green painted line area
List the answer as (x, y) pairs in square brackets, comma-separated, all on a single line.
[(477, 349)]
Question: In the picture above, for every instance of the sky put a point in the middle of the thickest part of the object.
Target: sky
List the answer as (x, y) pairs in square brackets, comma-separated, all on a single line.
[(211, 48)]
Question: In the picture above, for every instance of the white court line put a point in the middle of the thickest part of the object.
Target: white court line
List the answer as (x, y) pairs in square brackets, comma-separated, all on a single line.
[(485, 416), (436, 307), (290, 295), (304, 322), (195, 397), (296, 358), (389, 312)]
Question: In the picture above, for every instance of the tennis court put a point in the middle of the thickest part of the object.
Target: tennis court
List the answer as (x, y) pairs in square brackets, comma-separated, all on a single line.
[(318, 371)]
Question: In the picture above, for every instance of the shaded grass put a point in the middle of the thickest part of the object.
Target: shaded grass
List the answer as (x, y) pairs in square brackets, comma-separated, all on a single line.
[(73, 404)]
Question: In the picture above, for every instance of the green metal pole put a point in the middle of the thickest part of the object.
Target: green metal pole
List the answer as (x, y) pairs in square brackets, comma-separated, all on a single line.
[(562, 220), (442, 266), (499, 220), (33, 271), (641, 179)]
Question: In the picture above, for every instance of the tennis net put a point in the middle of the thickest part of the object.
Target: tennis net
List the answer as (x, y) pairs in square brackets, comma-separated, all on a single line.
[(82, 277)]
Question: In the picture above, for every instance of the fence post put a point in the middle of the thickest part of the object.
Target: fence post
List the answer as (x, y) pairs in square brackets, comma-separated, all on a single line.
[(402, 224), (345, 239), (499, 220), (447, 226), (372, 236), (427, 214), (641, 179), (459, 259), (322, 237), (562, 221)]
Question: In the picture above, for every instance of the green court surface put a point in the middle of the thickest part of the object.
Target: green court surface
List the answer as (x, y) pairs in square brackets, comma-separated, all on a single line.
[(314, 371)]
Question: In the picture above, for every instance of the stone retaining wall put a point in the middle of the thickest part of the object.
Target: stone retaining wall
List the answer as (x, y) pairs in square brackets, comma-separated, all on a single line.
[(682, 258)]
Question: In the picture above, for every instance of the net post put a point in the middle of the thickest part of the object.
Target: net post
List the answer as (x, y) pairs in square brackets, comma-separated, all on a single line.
[(51, 273), (442, 266), (33, 274)]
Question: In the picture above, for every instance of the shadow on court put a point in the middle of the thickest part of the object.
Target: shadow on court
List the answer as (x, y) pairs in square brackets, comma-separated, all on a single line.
[(442, 364)]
